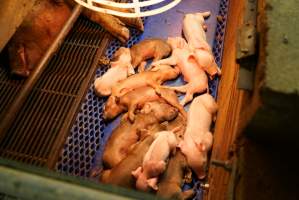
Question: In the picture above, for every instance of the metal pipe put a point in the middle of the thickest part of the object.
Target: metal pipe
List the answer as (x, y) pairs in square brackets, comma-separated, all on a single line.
[(17, 104), (23, 185)]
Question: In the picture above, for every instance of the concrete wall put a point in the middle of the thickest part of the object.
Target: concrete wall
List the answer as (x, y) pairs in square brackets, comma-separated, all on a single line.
[(278, 117), (12, 13)]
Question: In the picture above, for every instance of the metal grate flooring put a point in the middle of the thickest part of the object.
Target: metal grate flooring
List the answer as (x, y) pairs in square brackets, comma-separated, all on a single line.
[(35, 134)]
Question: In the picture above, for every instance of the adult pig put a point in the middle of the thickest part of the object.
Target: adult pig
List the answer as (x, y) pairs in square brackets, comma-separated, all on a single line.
[(125, 135), (197, 138), (170, 183), (121, 174), (34, 36)]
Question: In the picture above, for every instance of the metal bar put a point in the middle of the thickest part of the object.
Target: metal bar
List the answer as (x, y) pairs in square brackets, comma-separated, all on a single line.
[(15, 107), (57, 147)]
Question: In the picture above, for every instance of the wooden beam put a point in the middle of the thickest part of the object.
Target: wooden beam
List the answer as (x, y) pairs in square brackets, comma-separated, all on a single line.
[(236, 107), (230, 103)]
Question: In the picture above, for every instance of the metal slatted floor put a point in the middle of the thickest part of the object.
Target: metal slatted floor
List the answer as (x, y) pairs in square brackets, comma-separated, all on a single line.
[(34, 135)]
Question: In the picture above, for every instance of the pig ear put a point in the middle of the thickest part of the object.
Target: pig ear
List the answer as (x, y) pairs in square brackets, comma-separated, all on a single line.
[(191, 58), (146, 109), (152, 182), (142, 133), (136, 172), (131, 70), (164, 124), (155, 69), (177, 69), (200, 146), (206, 14), (176, 129), (180, 145)]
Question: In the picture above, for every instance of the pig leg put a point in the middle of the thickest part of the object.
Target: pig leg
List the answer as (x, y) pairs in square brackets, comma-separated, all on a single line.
[(96, 172), (188, 97), (172, 100), (182, 88), (153, 84), (18, 63), (188, 175), (133, 22), (131, 111), (112, 24), (157, 57), (105, 176), (141, 66), (188, 194), (167, 61)]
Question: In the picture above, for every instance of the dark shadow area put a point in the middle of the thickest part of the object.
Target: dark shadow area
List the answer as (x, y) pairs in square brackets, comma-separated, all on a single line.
[(267, 172)]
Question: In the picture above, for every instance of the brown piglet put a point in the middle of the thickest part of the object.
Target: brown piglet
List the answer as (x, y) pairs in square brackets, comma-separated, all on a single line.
[(153, 78), (170, 183), (136, 98), (125, 135), (147, 49), (121, 173)]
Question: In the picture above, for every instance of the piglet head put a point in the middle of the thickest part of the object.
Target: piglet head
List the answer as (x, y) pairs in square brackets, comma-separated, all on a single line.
[(201, 16), (141, 179), (162, 111), (209, 103), (112, 108)]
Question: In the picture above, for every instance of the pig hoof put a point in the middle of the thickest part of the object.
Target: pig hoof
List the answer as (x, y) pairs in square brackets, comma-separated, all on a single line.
[(95, 172), (21, 73), (132, 118)]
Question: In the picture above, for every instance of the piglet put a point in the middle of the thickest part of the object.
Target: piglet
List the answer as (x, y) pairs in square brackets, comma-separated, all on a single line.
[(196, 78), (149, 48), (136, 98), (126, 133), (194, 31), (197, 138), (170, 184), (153, 78), (121, 174), (154, 161), (120, 69)]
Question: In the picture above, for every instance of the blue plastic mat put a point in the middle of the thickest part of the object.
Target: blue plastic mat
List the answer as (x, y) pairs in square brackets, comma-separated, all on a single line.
[(84, 145)]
